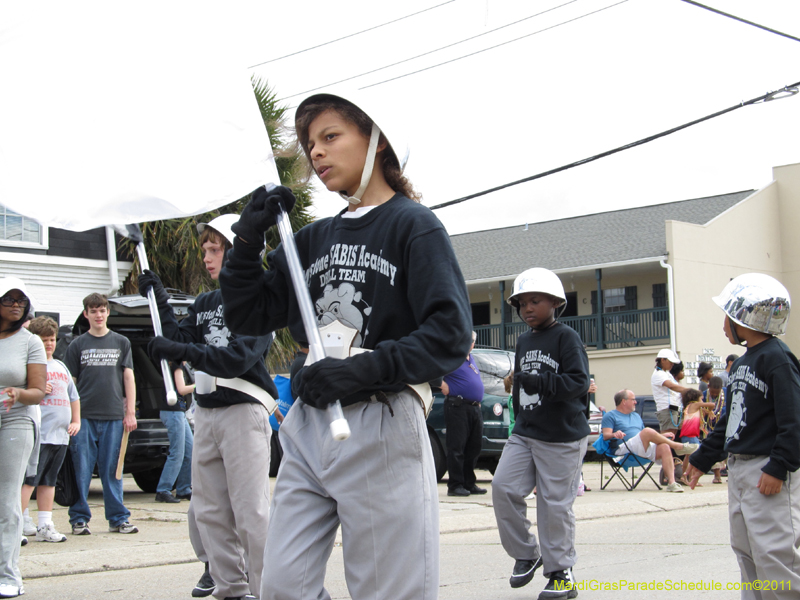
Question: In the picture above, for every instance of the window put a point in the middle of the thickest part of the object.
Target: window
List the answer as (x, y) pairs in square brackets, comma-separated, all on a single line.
[(660, 301), (614, 300), (18, 230)]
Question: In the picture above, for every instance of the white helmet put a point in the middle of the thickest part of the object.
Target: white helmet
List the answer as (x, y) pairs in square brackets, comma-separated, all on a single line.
[(756, 301), (537, 280), (221, 224), (380, 124)]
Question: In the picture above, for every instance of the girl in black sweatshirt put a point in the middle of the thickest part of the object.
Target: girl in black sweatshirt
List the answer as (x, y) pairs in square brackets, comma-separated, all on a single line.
[(383, 267)]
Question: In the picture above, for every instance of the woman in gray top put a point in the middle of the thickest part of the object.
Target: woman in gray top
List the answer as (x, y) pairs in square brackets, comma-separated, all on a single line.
[(23, 374)]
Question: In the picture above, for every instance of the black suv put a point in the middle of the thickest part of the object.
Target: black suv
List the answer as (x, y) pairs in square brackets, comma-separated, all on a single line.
[(148, 445)]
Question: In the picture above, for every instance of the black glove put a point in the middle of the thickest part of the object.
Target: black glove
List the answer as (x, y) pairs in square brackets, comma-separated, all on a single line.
[(328, 380), (148, 280), (530, 382), (161, 347), (261, 213)]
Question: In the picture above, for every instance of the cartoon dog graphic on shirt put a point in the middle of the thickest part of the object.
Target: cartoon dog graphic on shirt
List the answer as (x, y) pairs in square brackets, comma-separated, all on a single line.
[(529, 401), (219, 338), (341, 304), (737, 419)]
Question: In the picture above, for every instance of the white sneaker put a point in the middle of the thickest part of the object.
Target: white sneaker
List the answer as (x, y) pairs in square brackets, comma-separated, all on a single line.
[(687, 448), (10, 591), (48, 533), (123, 528), (674, 487), (28, 528)]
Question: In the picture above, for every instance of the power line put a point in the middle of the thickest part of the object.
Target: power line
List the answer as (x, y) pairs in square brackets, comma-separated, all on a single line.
[(493, 47), (789, 90), (734, 17), (431, 51), (350, 35)]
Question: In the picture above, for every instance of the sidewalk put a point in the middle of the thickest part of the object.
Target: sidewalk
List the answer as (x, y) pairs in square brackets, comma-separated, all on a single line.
[(163, 536)]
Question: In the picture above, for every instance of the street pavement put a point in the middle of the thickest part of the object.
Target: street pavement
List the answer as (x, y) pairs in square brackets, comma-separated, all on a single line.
[(645, 537)]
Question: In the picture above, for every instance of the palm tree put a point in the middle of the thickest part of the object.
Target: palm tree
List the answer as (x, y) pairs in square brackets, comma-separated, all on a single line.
[(173, 248)]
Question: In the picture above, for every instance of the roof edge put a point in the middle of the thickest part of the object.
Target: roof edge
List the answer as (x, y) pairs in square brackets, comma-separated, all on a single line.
[(621, 263), (619, 210)]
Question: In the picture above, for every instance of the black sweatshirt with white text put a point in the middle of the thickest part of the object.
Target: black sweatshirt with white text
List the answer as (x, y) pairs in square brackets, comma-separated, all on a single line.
[(216, 350), (390, 274), (762, 412), (559, 411)]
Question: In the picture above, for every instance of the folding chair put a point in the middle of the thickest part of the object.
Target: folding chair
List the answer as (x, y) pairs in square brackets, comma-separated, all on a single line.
[(620, 464)]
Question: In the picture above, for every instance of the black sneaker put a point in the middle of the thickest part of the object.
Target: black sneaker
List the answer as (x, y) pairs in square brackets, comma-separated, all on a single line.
[(166, 497), (561, 585), (186, 496), (205, 586), (459, 491), (523, 572), (477, 490), (80, 528)]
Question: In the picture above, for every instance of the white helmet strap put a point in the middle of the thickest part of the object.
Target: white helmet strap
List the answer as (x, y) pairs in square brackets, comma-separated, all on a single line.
[(366, 174)]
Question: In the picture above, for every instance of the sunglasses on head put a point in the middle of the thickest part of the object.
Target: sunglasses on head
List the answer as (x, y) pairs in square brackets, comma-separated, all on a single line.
[(10, 301)]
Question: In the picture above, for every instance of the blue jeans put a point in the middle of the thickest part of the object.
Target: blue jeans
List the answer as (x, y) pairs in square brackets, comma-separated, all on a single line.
[(98, 443), (177, 471)]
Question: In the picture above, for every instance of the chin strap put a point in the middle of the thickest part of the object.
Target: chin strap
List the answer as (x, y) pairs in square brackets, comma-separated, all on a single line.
[(732, 327), (366, 174)]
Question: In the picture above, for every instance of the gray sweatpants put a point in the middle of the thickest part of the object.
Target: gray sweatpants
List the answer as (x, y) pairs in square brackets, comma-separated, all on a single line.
[(380, 485), (230, 492), (555, 470), (16, 442), (197, 541), (765, 530)]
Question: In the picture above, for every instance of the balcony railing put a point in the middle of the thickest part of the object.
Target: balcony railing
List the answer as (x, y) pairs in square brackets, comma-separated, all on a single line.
[(619, 329)]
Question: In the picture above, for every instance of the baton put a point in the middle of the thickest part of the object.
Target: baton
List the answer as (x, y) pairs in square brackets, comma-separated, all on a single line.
[(316, 351), (169, 384)]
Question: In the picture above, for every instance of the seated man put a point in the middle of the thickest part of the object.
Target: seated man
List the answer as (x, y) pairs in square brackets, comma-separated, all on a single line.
[(625, 425)]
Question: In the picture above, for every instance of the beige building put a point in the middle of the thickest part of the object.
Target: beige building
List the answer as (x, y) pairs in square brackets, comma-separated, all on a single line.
[(641, 279)]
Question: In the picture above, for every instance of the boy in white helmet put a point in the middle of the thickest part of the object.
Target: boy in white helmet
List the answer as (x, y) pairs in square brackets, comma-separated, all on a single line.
[(383, 267), (547, 445), (760, 434), (234, 395)]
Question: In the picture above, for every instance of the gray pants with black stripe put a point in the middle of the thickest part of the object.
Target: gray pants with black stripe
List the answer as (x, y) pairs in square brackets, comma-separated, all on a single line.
[(555, 470), (765, 530), (380, 485)]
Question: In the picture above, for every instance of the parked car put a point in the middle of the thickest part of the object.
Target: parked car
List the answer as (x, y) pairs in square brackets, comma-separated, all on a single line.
[(494, 365), (148, 445), (595, 426), (646, 408)]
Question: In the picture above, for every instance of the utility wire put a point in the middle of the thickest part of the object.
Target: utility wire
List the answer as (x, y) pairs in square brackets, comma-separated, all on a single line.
[(350, 35), (734, 17), (493, 47), (405, 60), (781, 93)]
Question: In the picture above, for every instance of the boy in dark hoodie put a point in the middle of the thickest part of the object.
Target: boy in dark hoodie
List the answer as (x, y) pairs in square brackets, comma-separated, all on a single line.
[(235, 397), (546, 448), (759, 432)]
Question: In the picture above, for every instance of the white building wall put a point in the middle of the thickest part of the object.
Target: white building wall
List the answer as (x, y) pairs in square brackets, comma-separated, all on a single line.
[(58, 284)]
